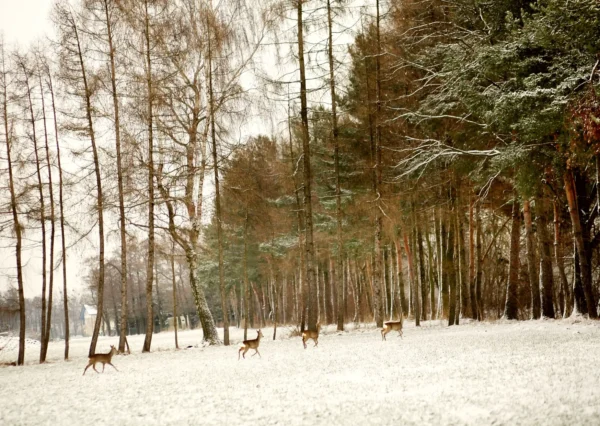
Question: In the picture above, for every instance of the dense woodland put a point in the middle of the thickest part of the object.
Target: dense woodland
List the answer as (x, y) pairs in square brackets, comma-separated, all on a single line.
[(444, 165)]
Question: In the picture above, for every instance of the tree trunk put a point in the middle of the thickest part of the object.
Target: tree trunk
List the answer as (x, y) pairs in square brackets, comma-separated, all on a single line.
[(400, 276), (446, 266), (451, 273), (217, 197), (40, 188), (209, 330), (581, 247), (546, 283), (567, 303), (478, 265), (531, 263), (336, 156), (308, 214), (511, 307), (151, 201), (411, 273), (377, 271), (472, 261), (15, 213), (62, 216), (422, 275), (174, 283), (246, 285), (117, 124), (46, 333), (464, 294)]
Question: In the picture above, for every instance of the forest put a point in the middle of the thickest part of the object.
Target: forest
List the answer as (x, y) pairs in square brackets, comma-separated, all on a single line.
[(301, 162)]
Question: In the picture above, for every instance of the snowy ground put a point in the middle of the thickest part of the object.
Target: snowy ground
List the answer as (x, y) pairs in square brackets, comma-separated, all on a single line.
[(527, 373)]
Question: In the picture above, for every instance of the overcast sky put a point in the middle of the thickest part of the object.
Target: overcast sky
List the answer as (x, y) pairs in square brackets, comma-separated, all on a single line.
[(24, 21)]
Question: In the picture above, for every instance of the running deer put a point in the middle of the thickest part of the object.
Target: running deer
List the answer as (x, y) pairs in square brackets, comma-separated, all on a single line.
[(103, 358), (311, 335), (389, 326), (251, 344)]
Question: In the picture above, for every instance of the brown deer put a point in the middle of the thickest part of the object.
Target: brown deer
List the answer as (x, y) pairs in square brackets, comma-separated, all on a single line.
[(311, 335), (251, 344), (389, 326), (103, 358)]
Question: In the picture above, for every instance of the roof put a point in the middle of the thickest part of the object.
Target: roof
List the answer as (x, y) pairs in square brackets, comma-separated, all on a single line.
[(90, 310)]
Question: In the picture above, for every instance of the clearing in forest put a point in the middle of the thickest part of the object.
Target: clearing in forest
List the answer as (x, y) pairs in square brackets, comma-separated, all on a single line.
[(534, 372)]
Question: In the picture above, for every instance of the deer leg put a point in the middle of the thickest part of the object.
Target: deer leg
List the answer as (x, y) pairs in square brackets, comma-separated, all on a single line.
[(103, 365), (112, 366), (239, 352), (316, 342), (257, 353), (304, 342), (88, 366), (401, 333), (94, 366), (244, 353)]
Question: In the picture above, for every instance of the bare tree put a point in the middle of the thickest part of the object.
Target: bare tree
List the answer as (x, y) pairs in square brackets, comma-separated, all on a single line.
[(311, 278), (75, 74), (26, 73), (13, 202), (52, 214), (48, 75), (213, 136)]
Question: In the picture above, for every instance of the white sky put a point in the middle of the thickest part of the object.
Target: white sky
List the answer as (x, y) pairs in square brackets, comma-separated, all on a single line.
[(24, 21)]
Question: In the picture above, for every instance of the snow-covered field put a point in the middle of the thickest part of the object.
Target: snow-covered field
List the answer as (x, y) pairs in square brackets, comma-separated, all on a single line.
[(526, 373)]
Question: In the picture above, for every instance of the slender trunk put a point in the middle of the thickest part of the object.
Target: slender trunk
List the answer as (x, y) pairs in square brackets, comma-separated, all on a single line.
[(299, 214), (46, 333), (151, 201), (246, 286), (117, 124), (308, 214), (472, 261), (40, 187), (580, 244), (531, 263), (422, 275), (174, 283), (478, 265), (377, 271), (336, 157), (565, 292), (439, 250), (217, 197), (546, 283), (62, 217), (400, 277), (446, 266), (391, 278), (13, 206), (511, 307), (464, 293), (100, 200), (451, 272), (411, 274), (431, 276)]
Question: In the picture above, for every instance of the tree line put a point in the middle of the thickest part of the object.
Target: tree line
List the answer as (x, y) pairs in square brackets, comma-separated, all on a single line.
[(442, 166)]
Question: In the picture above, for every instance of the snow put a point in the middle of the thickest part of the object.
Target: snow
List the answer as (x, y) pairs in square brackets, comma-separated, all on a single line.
[(525, 373)]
